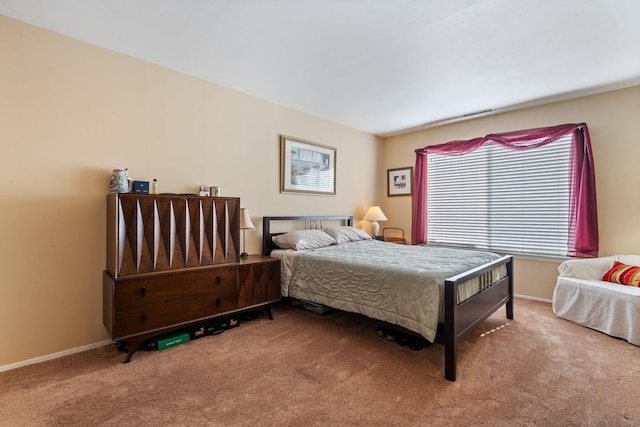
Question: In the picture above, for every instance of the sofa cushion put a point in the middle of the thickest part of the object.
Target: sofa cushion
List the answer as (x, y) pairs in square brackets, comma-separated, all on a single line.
[(623, 274), (586, 268)]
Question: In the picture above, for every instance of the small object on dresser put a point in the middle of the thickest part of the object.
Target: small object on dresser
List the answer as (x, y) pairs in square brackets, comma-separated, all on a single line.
[(245, 224), (141, 187), (202, 191), (120, 181), (154, 186)]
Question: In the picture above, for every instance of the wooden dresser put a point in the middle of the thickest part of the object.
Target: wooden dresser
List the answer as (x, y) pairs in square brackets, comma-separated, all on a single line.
[(173, 261)]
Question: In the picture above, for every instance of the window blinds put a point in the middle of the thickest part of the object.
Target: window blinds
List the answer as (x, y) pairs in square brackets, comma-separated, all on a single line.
[(502, 200)]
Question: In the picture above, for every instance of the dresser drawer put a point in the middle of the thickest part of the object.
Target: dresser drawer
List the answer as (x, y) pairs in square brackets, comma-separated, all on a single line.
[(147, 317), (142, 291)]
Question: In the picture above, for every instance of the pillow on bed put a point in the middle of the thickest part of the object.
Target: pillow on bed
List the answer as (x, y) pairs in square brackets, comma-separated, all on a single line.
[(303, 239), (346, 234), (623, 274)]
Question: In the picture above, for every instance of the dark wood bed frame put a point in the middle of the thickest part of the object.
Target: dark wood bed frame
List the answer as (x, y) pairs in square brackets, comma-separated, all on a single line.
[(459, 319)]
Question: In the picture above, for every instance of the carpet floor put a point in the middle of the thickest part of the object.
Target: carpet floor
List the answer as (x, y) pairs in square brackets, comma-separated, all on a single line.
[(334, 370)]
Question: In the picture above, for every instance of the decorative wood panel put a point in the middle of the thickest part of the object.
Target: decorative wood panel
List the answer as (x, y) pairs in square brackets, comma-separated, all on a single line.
[(152, 233), (258, 282)]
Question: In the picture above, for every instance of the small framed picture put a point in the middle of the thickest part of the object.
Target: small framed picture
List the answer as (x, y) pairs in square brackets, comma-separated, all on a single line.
[(307, 167), (399, 181)]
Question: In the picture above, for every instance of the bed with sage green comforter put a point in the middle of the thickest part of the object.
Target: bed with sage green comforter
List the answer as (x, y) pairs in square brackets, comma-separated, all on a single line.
[(399, 284)]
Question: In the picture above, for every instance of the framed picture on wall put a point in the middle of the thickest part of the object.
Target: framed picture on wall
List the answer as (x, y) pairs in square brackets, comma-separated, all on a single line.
[(307, 167), (399, 181)]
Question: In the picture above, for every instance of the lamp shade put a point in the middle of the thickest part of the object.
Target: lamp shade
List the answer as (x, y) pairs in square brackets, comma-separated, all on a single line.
[(245, 220), (374, 213)]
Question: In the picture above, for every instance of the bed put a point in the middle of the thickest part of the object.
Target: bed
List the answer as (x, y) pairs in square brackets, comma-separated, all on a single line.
[(430, 291)]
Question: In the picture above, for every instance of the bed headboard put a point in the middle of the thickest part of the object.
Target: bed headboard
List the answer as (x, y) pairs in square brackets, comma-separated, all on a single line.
[(290, 223)]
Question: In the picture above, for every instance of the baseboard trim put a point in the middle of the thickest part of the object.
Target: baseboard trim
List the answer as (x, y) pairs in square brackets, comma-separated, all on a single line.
[(532, 298), (53, 355)]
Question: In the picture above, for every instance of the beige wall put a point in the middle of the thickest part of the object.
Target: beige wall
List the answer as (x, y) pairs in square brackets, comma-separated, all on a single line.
[(613, 119), (69, 114)]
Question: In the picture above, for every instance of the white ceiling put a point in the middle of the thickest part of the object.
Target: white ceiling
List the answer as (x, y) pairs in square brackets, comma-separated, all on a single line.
[(381, 66)]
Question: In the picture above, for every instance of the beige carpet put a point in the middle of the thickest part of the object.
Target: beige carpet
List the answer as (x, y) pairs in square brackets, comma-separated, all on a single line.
[(304, 369)]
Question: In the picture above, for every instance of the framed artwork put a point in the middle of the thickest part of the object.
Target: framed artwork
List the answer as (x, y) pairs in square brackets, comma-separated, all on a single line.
[(399, 181), (307, 167)]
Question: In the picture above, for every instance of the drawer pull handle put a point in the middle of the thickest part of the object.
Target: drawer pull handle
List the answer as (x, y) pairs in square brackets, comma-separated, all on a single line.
[(217, 302), (143, 317), (143, 291), (218, 280)]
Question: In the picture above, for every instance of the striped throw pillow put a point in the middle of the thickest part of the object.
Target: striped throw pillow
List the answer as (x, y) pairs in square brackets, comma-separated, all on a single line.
[(623, 274)]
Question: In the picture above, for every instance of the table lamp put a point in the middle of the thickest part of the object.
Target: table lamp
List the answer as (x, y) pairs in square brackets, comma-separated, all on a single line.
[(245, 224), (375, 214)]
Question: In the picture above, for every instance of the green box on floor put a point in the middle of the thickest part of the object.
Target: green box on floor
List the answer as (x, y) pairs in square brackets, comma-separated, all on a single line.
[(172, 341)]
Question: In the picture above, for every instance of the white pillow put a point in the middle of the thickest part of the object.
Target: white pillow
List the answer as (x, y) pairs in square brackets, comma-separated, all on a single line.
[(346, 234), (303, 239)]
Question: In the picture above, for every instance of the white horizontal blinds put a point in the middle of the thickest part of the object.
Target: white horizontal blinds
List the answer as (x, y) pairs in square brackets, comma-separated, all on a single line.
[(502, 200)]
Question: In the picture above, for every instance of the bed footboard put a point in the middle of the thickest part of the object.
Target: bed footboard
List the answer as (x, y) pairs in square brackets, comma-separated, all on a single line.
[(461, 318)]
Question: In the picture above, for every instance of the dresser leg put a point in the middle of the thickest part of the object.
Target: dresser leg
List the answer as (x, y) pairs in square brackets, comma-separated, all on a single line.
[(133, 344)]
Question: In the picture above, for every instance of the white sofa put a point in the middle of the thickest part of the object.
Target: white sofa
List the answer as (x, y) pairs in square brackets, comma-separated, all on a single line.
[(582, 297)]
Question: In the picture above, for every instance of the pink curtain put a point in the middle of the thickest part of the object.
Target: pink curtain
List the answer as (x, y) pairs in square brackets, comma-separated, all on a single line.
[(583, 216)]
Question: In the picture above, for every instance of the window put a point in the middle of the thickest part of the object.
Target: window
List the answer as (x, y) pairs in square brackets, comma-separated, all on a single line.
[(503, 200)]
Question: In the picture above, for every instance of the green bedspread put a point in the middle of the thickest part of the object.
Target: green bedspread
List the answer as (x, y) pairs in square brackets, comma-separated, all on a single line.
[(400, 284)]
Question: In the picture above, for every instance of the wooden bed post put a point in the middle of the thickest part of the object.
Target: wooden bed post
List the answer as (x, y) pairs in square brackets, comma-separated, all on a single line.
[(461, 319), (266, 235), (509, 304), (450, 332)]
